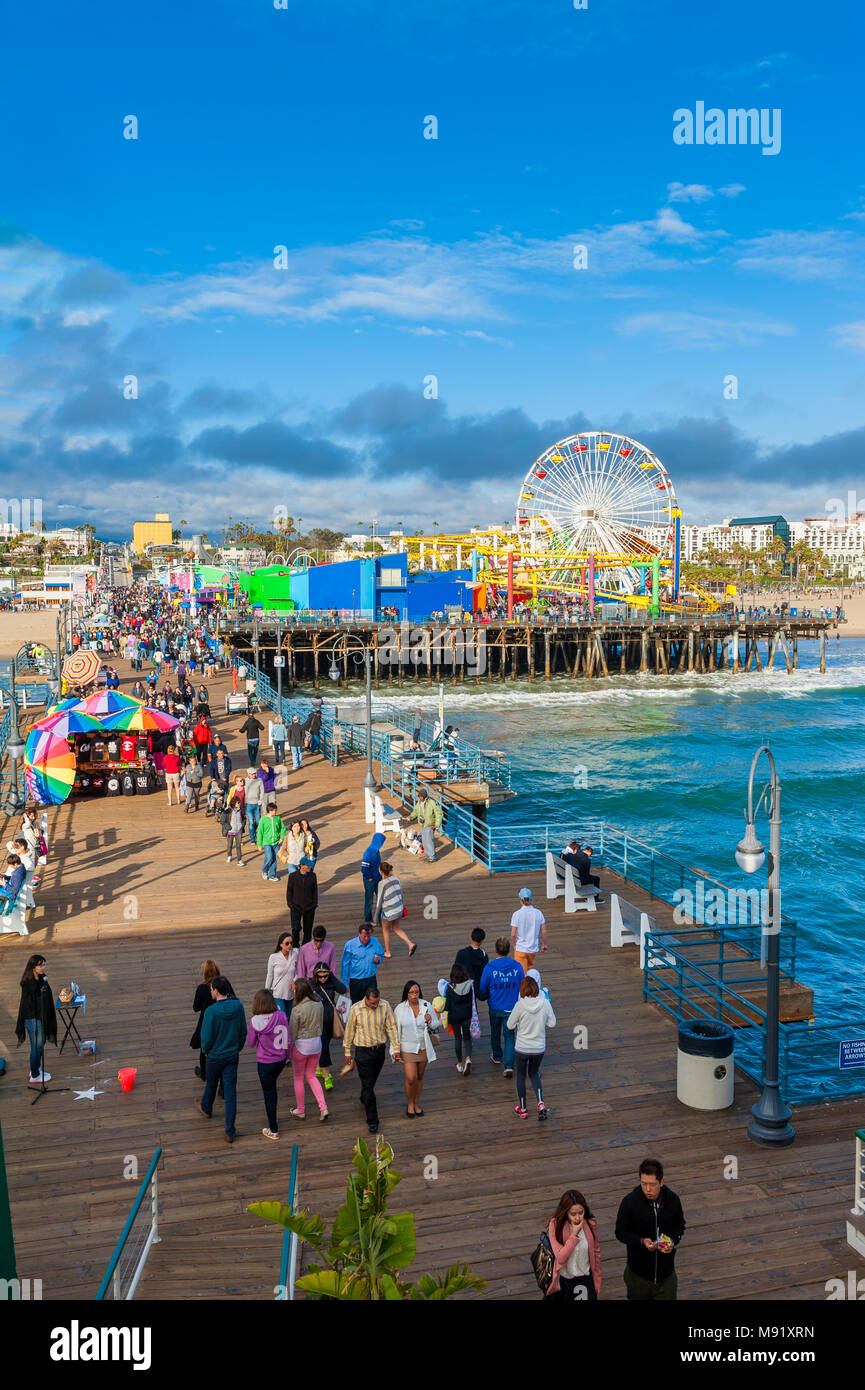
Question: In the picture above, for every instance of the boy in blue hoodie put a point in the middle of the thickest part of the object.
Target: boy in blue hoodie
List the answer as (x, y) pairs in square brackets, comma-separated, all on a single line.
[(500, 984), (223, 1034), (370, 870)]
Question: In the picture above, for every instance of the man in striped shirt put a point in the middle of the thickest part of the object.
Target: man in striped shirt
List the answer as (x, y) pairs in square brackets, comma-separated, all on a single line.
[(371, 1025)]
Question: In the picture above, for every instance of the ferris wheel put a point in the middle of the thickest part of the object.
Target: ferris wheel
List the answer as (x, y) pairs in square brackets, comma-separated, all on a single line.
[(598, 493)]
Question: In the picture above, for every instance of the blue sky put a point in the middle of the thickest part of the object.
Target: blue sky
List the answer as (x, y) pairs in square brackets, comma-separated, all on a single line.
[(407, 257)]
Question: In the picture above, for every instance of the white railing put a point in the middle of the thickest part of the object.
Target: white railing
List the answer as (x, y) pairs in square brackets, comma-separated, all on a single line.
[(859, 1198), (126, 1265)]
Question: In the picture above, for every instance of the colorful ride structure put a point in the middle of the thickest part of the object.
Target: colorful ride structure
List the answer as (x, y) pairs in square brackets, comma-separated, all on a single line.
[(597, 517)]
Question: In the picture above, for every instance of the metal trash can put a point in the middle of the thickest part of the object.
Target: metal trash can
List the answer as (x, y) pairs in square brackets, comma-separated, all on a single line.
[(704, 1074)]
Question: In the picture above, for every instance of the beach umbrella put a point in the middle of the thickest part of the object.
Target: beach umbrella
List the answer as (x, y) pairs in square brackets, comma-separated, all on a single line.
[(64, 722), (136, 720), (106, 702), (81, 668), (49, 767)]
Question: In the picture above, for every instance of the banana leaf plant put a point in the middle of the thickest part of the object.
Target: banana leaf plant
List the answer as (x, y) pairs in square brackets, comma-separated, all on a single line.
[(367, 1247)]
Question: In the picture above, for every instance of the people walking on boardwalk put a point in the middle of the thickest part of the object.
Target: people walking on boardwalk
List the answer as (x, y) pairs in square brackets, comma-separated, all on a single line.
[(573, 1235), (528, 931), (328, 989), (282, 971), (295, 741), (201, 1002), (223, 1033), (301, 897), (278, 735), (530, 1017), (37, 1020), (459, 1002), (389, 908), (473, 958), (371, 1026), (234, 833), (361, 956), (500, 985), (253, 731), (416, 1020), (268, 1034), (370, 872), (311, 842), (254, 789), (269, 836), (305, 1025), (220, 764), (312, 729), (292, 848), (428, 814), (651, 1224), (171, 764), (194, 780), (202, 737), (318, 951)]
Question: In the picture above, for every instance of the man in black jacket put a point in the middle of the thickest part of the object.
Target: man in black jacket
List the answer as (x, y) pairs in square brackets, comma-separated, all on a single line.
[(651, 1223), (313, 728), (253, 731)]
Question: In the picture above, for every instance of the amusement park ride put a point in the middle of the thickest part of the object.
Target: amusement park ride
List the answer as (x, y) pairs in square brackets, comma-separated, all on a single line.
[(597, 516)]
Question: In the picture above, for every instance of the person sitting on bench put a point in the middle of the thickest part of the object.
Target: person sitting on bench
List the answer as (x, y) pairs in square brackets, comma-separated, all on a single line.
[(581, 860), (13, 878)]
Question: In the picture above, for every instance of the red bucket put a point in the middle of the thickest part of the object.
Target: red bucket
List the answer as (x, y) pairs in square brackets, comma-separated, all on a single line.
[(126, 1076)]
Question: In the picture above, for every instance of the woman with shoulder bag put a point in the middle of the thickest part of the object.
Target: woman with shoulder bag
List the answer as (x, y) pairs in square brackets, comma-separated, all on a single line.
[(573, 1236), (326, 989), (415, 1020), (281, 972)]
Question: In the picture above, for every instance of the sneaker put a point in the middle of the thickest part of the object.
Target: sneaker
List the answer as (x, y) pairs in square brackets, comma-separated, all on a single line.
[(241, 864), (328, 1082), (518, 1110), (264, 878), (467, 1066), (319, 1073), (270, 1134), (496, 1061), (298, 1114), (542, 1110), (37, 1080), (460, 1068), (323, 1114), (508, 1071), (228, 860)]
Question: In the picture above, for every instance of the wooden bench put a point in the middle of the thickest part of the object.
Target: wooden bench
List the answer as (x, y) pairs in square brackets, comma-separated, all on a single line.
[(562, 883)]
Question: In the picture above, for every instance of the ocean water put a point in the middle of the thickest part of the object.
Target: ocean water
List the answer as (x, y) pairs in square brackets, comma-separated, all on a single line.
[(667, 758)]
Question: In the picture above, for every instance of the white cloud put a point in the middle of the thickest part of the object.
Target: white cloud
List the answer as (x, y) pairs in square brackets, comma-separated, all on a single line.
[(83, 318), (799, 255), (731, 190), (688, 192), (850, 334), (686, 329)]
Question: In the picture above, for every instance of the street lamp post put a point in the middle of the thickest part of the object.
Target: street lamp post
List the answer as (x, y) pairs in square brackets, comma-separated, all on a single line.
[(13, 805), (770, 1117), (369, 781), (279, 669)]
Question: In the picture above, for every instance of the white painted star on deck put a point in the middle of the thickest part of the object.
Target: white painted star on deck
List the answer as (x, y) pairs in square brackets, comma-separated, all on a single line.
[(88, 1095)]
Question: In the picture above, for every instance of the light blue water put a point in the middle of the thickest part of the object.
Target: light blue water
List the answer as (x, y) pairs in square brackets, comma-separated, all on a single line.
[(668, 758)]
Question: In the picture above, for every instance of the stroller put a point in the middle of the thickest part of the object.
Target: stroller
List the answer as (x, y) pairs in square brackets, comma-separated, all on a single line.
[(215, 800)]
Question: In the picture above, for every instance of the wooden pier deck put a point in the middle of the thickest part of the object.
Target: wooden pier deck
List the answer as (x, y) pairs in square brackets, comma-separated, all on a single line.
[(136, 896)]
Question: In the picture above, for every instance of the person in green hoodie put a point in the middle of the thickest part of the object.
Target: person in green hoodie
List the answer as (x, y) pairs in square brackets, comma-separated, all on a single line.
[(269, 836), (223, 1034)]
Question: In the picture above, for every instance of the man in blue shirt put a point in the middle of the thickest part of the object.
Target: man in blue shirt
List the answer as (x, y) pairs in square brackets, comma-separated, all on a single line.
[(500, 984), (360, 956), (15, 876)]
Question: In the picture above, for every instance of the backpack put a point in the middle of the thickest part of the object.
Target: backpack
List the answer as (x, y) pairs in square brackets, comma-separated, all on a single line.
[(543, 1262)]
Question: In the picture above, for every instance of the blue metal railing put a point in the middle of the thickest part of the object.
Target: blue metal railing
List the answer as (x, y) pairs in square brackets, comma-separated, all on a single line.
[(127, 1265), (288, 1260)]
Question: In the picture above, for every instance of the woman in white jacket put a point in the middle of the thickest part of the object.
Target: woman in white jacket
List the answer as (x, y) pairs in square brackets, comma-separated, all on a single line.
[(281, 971), (530, 1018), (415, 1020)]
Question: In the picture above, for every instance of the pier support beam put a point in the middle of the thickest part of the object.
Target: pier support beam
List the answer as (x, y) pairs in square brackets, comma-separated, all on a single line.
[(644, 651), (690, 648), (530, 652), (547, 654), (822, 651)]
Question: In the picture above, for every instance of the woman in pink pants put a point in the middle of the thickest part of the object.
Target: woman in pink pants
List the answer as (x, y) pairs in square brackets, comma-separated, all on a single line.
[(305, 1025)]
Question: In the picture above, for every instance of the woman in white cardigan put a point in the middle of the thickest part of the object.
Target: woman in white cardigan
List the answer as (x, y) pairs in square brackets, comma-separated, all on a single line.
[(281, 971), (415, 1020)]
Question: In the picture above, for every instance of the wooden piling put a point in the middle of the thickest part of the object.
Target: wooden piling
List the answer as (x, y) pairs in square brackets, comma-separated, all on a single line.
[(530, 651), (547, 654)]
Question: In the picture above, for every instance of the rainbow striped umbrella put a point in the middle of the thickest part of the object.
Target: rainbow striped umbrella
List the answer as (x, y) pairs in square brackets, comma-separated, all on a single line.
[(106, 702), (138, 719), (64, 722), (49, 767), (81, 668)]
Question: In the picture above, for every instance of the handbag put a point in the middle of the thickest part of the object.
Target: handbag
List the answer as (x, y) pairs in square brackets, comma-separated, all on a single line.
[(342, 1007), (475, 1025), (337, 1028), (543, 1262)]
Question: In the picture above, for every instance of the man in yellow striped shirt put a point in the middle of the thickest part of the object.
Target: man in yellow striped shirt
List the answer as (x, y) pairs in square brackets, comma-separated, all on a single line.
[(371, 1025)]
